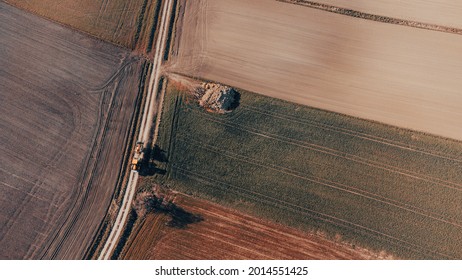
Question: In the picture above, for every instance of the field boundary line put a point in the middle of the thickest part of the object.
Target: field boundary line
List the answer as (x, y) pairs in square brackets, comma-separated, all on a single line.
[(374, 17), (357, 134)]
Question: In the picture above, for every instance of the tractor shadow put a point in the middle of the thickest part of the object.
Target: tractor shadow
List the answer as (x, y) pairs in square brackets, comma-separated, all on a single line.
[(154, 155)]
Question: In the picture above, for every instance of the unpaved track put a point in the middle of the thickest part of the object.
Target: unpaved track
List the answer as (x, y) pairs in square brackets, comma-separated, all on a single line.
[(145, 136), (393, 74), (64, 125)]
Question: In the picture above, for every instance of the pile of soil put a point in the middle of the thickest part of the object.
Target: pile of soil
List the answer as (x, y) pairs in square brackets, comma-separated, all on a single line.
[(217, 98)]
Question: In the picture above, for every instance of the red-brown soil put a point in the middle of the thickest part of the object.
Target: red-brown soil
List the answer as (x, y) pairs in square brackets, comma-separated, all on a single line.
[(227, 234)]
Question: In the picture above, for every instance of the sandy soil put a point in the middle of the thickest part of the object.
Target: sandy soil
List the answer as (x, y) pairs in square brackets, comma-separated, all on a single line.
[(67, 101), (226, 234), (441, 12), (397, 75)]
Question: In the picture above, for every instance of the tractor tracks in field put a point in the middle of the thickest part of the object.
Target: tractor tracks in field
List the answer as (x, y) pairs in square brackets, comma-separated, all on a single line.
[(373, 17), (439, 217), (151, 108), (327, 183), (312, 213), (339, 154), (357, 134), (88, 169), (84, 187)]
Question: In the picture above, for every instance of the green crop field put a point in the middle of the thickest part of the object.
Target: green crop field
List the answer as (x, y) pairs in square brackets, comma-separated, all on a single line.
[(376, 186)]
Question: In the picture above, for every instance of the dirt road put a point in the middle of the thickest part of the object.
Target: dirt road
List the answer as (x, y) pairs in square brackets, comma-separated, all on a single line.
[(393, 74), (145, 133)]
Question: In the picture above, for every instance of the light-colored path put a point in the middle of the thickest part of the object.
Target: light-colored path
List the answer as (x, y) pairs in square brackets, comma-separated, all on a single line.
[(145, 132)]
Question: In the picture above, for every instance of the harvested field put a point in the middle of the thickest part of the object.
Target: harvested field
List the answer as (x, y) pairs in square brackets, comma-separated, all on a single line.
[(440, 12), (398, 75), (226, 234), (377, 186), (128, 23), (67, 102)]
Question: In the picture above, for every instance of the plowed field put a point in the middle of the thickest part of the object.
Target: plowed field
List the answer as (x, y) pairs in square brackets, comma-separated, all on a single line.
[(394, 74), (441, 12), (226, 234), (128, 23), (67, 102)]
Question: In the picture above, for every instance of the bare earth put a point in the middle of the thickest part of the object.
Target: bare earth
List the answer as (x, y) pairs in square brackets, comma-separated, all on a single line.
[(128, 23), (66, 104), (397, 75), (227, 234), (441, 12)]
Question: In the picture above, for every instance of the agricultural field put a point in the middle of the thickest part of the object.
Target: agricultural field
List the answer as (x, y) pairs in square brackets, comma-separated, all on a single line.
[(440, 12), (223, 233), (127, 23), (398, 75), (67, 106), (378, 187)]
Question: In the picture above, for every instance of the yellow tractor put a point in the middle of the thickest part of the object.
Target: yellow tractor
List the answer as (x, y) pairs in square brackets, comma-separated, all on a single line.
[(138, 156)]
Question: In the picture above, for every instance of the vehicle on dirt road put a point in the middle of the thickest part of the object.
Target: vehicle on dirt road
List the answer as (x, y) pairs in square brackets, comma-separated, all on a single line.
[(138, 156)]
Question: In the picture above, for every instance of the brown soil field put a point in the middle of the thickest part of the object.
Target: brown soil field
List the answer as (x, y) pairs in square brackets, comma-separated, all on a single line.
[(407, 77), (67, 105), (127, 23), (224, 233), (441, 12)]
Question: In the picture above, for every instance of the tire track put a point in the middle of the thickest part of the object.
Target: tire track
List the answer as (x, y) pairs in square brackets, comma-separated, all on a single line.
[(357, 134), (314, 214), (373, 17), (39, 183), (83, 188), (327, 183), (102, 9), (336, 153), (144, 132)]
